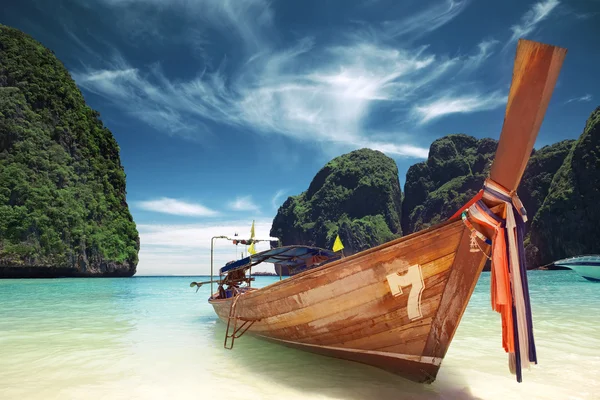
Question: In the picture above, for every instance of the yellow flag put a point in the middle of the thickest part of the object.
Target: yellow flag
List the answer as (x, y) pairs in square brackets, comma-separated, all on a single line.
[(337, 245), (251, 249)]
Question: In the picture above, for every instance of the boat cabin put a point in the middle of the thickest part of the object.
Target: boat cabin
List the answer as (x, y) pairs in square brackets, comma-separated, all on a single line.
[(295, 258)]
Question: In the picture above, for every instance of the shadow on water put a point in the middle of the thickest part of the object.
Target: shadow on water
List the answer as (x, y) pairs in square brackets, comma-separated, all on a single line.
[(326, 376)]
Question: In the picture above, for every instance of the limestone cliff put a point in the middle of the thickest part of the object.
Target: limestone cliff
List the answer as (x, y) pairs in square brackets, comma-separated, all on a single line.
[(455, 171), (63, 210), (452, 174), (356, 195), (567, 223)]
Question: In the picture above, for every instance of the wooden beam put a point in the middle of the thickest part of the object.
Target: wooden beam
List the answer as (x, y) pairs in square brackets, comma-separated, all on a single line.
[(535, 72)]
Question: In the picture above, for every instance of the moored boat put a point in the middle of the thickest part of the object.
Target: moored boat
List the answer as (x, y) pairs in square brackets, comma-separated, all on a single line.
[(587, 266), (397, 306)]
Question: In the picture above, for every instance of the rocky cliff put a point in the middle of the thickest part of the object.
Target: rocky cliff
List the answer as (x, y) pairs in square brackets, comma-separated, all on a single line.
[(63, 210), (568, 221), (452, 174), (356, 195)]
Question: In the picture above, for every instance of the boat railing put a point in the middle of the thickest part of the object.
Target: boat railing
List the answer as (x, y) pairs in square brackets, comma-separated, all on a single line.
[(585, 257)]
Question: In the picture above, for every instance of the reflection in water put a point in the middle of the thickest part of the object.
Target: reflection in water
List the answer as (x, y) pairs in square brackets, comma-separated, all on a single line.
[(155, 338)]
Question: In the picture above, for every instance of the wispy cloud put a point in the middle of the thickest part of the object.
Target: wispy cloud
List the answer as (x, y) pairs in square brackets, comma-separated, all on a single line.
[(331, 92), (244, 203), (167, 205), (247, 20), (584, 15), (329, 103), (484, 51), (540, 11), (426, 20), (276, 197), (450, 104), (587, 97)]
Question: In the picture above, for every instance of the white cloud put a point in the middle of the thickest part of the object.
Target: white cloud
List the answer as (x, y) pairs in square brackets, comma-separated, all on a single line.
[(276, 197), (329, 93), (246, 19), (177, 207), (531, 18), (484, 51), (185, 249), (587, 97), (459, 104), (244, 203), (326, 104), (426, 20)]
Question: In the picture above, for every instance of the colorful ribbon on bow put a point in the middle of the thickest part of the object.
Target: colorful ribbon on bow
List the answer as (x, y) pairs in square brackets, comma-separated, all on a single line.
[(509, 286)]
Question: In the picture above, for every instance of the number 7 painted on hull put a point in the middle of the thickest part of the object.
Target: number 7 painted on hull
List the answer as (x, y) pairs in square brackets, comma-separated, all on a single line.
[(414, 278)]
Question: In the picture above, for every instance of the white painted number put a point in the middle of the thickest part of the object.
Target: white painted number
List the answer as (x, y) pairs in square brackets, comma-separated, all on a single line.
[(414, 278)]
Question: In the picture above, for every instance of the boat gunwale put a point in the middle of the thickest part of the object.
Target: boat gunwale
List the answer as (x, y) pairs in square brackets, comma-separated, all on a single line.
[(307, 274)]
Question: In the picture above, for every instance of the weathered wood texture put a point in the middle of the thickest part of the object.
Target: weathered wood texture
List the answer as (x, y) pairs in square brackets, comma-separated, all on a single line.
[(535, 72), (456, 296), (347, 309)]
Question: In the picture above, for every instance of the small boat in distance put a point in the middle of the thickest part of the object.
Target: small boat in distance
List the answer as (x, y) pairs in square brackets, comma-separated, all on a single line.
[(397, 306), (587, 266)]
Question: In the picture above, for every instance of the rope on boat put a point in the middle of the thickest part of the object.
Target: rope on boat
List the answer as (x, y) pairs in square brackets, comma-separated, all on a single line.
[(509, 286), (474, 245)]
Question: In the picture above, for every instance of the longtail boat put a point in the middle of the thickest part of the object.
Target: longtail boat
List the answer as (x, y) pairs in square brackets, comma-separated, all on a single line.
[(397, 306), (587, 266)]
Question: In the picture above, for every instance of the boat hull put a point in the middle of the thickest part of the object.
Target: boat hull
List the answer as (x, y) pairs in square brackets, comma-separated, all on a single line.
[(395, 307), (587, 266), (590, 272)]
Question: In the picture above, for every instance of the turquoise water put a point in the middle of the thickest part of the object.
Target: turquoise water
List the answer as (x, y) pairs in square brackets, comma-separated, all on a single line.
[(155, 338)]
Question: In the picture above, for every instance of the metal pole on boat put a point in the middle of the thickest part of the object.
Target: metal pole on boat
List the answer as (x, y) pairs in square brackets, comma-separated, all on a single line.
[(212, 241), (212, 245)]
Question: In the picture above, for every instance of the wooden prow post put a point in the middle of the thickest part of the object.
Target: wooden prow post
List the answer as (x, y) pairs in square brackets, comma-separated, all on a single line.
[(535, 72)]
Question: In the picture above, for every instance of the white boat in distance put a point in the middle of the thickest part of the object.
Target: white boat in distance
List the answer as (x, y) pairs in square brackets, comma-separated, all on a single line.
[(587, 266)]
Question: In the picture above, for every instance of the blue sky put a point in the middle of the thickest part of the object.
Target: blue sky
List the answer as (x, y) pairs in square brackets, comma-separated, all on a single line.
[(223, 108)]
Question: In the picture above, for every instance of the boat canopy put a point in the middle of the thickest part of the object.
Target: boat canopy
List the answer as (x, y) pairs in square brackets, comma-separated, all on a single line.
[(293, 257)]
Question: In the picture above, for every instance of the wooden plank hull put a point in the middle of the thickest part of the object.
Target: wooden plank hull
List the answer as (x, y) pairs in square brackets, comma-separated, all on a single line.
[(395, 307)]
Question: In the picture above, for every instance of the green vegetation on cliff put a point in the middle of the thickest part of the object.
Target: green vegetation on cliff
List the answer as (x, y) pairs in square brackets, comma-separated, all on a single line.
[(356, 195), (453, 173), (541, 168), (567, 222), (62, 186)]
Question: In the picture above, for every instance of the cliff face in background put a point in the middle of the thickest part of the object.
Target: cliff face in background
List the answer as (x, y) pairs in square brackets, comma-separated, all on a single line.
[(542, 166), (568, 221), (353, 196), (356, 195), (62, 187), (453, 173)]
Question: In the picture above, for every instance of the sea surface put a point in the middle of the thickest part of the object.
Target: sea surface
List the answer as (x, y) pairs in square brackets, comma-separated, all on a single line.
[(156, 338)]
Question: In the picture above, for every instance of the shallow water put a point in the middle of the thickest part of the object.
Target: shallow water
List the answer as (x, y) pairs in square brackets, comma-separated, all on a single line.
[(155, 338)]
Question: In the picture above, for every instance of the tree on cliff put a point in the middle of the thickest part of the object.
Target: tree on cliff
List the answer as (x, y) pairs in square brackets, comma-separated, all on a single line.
[(62, 186)]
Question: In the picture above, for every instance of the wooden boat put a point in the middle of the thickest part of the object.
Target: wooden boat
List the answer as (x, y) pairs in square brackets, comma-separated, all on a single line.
[(397, 306), (587, 267)]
